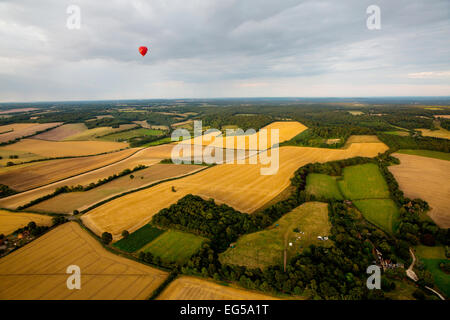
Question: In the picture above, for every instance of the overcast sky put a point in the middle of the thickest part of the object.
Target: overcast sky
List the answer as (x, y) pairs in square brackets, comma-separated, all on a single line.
[(222, 48)]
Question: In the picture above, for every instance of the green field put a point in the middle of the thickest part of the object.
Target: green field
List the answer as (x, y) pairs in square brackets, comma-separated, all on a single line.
[(427, 153), (265, 248), (363, 181), (125, 135), (174, 246), (158, 142), (139, 238), (323, 186), (365, 186), (381, 212)]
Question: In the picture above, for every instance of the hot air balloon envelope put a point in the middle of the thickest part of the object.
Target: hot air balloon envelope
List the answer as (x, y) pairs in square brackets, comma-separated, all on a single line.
[(143, 50)]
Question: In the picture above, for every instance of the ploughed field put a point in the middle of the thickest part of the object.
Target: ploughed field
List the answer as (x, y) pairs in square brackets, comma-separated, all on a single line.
[(241, 186), (426, 178), (38, 270), (190, 288), (11, 221)]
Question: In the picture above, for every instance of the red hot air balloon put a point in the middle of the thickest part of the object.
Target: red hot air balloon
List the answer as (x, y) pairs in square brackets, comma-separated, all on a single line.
[(143, 50)]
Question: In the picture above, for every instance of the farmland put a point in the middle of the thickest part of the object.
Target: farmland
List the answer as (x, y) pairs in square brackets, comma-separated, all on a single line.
[(68, 202), (95, 168), (287, 130), (426, 153), (440, 133), (55, 149), (18, 130), (190, 288), (365, 186), (241, 186), (28, 176), (139, 238), (62, 132), (11, 221), (120, 136), (426, 178), (38, 270), (323, 186), (265, 248), (95, 133), (363, 182), (381, 212), (174, 246)]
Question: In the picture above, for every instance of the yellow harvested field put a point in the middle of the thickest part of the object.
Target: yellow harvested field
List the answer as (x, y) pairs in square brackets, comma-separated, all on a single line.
[(190, 288), (11, 221), (286, 130), (362, 139), (38, 270), (68, 202), (54, 149), (241, 186), (92, 134), (440, 133), (445, 116), (32, 175), (427, 179), (19, 130), (62, 132)]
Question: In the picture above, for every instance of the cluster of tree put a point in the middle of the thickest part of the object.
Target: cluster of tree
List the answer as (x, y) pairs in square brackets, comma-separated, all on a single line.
[(396, 142), (6, 191), (445, 123), (409, 121), (220, 223), (59, 220), (80, 188), (244, 122), (33, 229)]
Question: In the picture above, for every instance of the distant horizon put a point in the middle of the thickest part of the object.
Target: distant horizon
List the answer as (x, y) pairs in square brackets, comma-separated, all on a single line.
[(445, 97)]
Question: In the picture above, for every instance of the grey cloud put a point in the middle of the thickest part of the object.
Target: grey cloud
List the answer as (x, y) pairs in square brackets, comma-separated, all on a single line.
[(224, 41)]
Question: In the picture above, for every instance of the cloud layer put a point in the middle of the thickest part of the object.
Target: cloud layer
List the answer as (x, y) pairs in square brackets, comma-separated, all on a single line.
[(222, 48)]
